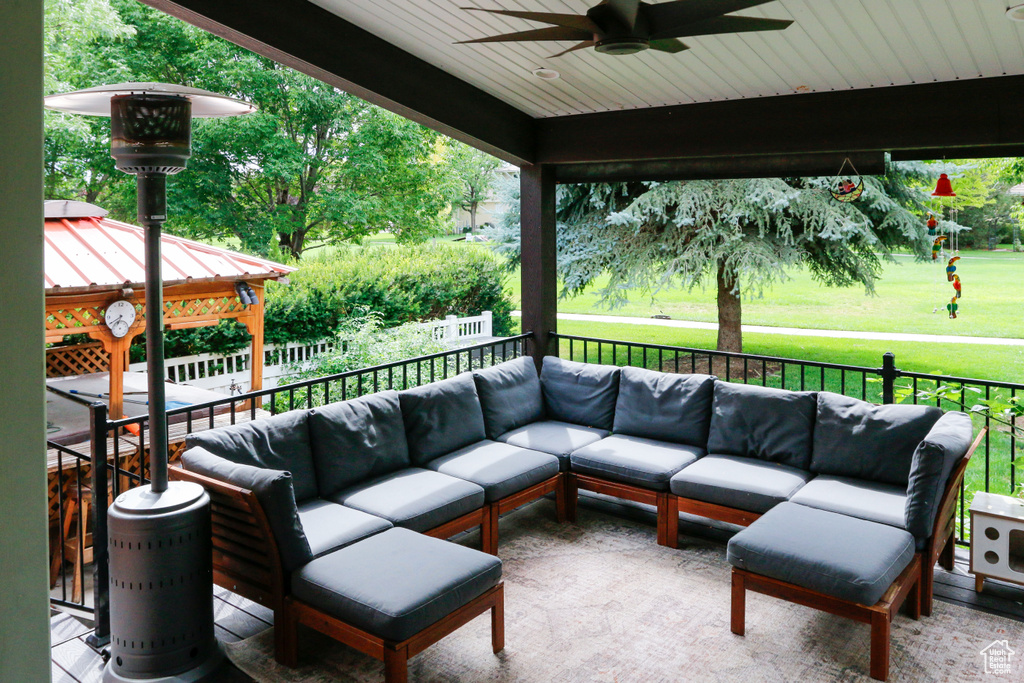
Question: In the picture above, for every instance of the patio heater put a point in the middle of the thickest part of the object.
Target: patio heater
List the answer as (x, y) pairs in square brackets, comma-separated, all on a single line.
[(161, 602)]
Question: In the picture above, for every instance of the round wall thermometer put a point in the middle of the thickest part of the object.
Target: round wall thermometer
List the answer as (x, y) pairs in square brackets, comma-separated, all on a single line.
[(120, 317)]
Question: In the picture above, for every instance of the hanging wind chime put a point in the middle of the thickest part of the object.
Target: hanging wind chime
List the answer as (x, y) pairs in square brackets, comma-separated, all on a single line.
[(944, 190), (847, 189)]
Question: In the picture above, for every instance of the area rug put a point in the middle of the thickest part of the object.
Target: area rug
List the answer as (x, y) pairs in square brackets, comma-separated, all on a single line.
[(601, 601)]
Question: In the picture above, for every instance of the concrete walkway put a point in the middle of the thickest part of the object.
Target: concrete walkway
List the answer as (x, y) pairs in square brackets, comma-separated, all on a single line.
[(795, 331)]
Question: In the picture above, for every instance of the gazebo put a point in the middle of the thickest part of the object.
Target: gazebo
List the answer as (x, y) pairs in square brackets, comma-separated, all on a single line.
[(93, 262)]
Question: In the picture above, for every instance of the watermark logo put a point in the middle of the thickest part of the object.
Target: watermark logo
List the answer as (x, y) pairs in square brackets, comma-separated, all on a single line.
[(998, 658)]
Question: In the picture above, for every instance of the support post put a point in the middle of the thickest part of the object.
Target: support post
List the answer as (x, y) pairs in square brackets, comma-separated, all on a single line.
[(539, 271), (100, 636), (254, 326), (889, 373), (152, 207)]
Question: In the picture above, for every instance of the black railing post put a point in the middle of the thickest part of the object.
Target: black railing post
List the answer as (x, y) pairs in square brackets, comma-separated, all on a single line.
[(100, 636), (889, 373)]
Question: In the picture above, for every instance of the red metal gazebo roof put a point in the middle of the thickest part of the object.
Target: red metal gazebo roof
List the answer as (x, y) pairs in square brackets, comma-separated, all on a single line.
[(89, 253)]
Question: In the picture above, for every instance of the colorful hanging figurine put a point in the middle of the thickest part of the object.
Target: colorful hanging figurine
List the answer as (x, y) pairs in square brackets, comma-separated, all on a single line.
[(950, 268), (932, 224), (937, 247), (952, 308), (956, 286)]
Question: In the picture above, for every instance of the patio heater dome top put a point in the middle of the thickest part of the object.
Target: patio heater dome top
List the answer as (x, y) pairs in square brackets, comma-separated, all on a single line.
[(96, 101)]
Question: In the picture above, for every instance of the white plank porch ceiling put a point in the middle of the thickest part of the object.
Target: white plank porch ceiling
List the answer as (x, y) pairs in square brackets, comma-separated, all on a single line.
[(834, 45)]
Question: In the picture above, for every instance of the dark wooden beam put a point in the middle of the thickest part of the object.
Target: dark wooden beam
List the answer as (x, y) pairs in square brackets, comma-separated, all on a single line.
[(968, 114), (539, 276), (990, 152), (781, 166), (312, 40)]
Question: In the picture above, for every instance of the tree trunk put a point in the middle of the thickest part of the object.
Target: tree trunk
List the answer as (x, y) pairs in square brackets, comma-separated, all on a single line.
[(472, 218), (730, 312)]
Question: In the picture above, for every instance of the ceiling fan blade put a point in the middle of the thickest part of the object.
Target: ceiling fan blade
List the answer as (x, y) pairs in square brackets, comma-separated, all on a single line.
[(577, 21), (668, 45), (553, 33), (668, 15), (578, 46), (626, 10), (726, 24)]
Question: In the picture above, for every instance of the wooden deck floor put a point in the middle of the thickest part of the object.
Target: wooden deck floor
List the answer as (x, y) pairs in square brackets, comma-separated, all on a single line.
[(237, 618)]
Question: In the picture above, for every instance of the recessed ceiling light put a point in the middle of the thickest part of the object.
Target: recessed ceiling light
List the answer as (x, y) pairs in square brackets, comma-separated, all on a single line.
[(546, 74), (1015, 13)]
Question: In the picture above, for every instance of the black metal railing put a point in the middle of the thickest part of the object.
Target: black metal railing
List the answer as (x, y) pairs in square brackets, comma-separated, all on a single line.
[(123, 445), (989, 470)]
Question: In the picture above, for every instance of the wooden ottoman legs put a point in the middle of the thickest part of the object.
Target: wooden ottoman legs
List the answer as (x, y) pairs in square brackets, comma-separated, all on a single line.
[(906, 589), (394, 655)]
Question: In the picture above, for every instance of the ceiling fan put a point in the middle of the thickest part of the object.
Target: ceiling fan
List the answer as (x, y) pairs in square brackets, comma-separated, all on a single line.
[(624, 27)]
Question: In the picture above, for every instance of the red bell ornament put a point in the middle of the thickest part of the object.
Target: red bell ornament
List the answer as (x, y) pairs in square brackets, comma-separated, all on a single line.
[(944, 188)]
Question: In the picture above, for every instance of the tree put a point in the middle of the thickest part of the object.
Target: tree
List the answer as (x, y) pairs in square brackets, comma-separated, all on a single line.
[(476, 173), (313, 164), (740, 234)]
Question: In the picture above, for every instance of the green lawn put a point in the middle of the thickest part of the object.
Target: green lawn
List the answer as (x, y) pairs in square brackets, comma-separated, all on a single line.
[(908, 292)]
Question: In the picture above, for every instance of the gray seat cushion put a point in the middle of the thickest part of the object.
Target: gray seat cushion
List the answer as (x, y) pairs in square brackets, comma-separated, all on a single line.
[(500, 468), (632, 460), (664, 406), (760, 422), (356, 440), (280, 442), (441, 417), (557, 438), (854, 438), (397, 583), (738, 482), (883, 503), (329, 526), (273, 489), (510, 395), (934, 461), (579, 393), (841, 556), (414, 498)]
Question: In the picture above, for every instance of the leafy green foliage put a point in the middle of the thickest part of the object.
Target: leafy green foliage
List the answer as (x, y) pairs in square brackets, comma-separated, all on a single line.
[(476, 171)]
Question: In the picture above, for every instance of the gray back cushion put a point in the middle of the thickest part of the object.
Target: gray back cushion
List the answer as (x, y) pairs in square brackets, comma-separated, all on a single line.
[(760, 422), (580, 393), (441, 417), (659, 405), (509, 395), (854, 438), (357, 440), (273, 489), (934, 461), (277, 443)]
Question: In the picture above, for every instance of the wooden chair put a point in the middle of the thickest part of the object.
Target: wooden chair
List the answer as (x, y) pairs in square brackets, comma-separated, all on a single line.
[(76, 547)]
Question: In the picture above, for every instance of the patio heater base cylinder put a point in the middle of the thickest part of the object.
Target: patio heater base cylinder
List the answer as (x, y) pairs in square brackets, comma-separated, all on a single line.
[(161, 586)]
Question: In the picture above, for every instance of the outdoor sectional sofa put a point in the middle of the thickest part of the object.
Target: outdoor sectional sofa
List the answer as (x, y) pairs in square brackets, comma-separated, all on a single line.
[(316, 511)]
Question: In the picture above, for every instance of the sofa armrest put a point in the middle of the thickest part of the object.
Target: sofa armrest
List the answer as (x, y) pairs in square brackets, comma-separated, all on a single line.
[(945, 520), (245, 555)]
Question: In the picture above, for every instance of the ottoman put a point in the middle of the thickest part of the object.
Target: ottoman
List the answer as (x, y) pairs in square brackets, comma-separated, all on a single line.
[(391, 596), (843, 565)]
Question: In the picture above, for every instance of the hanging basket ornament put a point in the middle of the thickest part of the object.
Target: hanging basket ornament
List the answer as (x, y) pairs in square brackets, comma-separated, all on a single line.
[(847, 189)]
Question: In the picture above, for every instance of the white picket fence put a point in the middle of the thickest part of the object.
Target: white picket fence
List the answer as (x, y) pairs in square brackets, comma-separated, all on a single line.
[(230, 372)]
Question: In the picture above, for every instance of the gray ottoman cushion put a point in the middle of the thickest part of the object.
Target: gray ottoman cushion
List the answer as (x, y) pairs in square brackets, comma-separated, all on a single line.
[(557, 438), (414, 498), (934, 461), (356, 440), (853, 438), (632, 460), (870, 500), (845, 557), (738, 482), (329, 526), (764, 423), (580, 393), (501, 469), (664, 406), (441, 417), (272, 488), (280, 442), (510, 395), (397, 583)]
